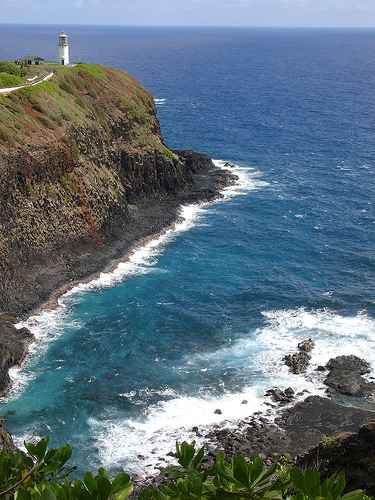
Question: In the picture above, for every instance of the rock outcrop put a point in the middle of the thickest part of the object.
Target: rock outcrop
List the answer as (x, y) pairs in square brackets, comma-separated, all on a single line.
[(346, 376), (351, 453), (13, 348), (299, 361)]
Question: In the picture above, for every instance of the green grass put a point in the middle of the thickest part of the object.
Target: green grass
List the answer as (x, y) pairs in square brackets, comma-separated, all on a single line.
[(7, 80), (94, 70)]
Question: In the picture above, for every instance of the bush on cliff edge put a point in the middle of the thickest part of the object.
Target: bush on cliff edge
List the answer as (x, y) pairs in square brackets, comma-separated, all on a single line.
[(42, 474)]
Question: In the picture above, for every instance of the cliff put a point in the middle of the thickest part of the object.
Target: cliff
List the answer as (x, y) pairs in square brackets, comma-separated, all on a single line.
[(84, 176)]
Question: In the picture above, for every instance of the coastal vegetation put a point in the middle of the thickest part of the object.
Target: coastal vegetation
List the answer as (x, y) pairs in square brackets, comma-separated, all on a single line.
[(42, 474)]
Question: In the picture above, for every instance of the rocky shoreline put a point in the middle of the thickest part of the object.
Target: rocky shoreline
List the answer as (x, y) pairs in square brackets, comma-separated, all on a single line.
[(299, 426), (332, 434), (146, 220)]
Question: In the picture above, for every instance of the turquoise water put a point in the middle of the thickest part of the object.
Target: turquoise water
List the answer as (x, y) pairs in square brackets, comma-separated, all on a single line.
[(200, 318)]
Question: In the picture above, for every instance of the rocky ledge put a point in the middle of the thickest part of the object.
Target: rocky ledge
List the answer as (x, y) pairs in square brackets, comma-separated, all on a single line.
[(14, 344)]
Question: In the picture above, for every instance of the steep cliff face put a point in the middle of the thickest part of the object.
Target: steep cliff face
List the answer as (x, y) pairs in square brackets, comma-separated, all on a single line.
[(81, 158)]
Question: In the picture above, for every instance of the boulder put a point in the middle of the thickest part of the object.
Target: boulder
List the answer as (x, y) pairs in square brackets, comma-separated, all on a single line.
[(306, 345), (351, 362), (349, 383), (345, 376), (298, 361)]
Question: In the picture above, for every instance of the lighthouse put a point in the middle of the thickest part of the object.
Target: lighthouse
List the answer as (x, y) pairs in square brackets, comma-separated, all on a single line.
[(63, 49)]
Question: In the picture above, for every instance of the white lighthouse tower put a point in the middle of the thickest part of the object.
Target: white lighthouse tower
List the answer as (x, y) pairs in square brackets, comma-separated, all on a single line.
[(63, 49)]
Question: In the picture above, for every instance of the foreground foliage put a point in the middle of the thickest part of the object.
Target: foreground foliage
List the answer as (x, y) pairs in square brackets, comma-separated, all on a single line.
[(42, 474)]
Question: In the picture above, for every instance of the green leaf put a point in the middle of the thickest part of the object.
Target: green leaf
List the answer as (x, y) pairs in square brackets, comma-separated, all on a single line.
[(256, 468), (22, 495), (31, 448), (59, 491), (119, 482), (273, 495), (103, 472), (51, 467), (240, 471), (298, 479), (151, 493), (90, 482), (299, 496), (41, 447), (199, 457), (354, 495), (47, 494), (104, 487), (125, 492), (339, 486), (312, 478), (198, 486), (186, 453)]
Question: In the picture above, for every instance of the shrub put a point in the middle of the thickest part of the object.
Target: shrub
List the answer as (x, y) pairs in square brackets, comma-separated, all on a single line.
[(42, 474)]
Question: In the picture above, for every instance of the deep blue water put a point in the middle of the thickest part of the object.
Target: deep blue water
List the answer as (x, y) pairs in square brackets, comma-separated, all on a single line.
[(201, 318)]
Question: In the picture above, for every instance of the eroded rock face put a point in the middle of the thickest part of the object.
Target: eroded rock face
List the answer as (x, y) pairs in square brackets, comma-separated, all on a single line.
[(13, 348), (6, 441)]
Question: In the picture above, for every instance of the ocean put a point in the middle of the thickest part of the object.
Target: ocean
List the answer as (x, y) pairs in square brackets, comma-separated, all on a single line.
[(199, 319)]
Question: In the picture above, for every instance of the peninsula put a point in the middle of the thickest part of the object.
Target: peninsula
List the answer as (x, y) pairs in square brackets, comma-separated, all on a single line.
[(85, 176)]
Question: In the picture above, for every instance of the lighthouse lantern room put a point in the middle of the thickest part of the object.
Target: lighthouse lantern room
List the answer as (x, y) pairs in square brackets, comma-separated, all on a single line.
[(63, 49)]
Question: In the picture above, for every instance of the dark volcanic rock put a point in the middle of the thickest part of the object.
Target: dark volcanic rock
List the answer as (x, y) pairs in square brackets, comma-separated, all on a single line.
[(295, 430), (351, 453), (306, 345), (6, 442), (350, 383), (13, 348), (315, 417), (298, 361), (351, 362), (281, 396), (345, 376)]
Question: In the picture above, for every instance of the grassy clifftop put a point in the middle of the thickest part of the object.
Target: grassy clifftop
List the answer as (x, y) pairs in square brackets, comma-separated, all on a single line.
[(87, 95)]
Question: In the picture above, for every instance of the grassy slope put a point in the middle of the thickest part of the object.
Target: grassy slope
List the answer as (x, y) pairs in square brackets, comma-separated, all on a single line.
[(75, 95)]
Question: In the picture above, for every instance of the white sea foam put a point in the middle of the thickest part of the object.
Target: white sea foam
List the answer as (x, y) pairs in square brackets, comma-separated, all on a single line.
[(159, 102), (249, 179), (260, 355), (119, 441)]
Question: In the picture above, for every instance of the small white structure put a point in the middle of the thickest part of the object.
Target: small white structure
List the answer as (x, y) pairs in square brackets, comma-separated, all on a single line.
[(63, 49)]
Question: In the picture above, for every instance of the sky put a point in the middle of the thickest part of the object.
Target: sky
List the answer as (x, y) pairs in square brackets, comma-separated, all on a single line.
[(303, 13)]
